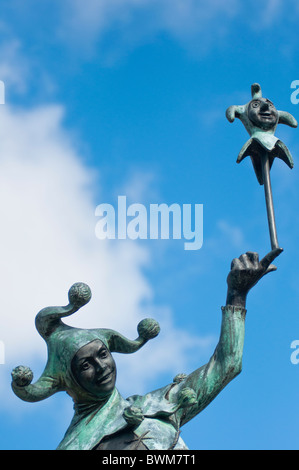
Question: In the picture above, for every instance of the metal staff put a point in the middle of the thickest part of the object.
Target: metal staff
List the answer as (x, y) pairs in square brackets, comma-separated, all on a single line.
[(260, 118), (269, 200)]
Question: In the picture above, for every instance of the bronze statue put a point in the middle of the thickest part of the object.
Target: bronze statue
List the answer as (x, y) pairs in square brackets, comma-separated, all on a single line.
[(80, 360), (80, 363)]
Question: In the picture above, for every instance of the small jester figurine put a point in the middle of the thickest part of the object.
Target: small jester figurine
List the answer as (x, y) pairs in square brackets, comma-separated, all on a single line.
[(260, 118)]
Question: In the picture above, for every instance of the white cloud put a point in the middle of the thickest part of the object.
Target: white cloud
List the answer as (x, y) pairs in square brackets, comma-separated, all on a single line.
[(109, 29), (198, 25), (14, 69), (135, 21), (48, 242), (48, 239)]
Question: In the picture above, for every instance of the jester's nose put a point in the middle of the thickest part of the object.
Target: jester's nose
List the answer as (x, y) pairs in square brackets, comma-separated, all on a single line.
[(264, 107)]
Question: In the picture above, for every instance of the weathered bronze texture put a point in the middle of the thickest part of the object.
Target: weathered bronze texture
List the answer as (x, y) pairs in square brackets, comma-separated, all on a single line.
[(80, 363)]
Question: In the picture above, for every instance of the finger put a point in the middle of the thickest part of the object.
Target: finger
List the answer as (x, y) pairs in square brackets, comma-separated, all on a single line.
[(253, 257), (245, 261), (236, 264), (267, 260)]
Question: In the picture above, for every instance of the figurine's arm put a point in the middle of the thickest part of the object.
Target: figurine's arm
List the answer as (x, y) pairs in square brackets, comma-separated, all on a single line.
[(226, 362)]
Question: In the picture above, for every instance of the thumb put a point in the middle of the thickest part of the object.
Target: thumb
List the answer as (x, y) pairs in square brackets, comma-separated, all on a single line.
[(270, 269), (267, 260)]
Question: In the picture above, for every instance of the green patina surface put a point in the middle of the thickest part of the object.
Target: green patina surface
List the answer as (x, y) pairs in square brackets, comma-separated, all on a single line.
[(155, 418)]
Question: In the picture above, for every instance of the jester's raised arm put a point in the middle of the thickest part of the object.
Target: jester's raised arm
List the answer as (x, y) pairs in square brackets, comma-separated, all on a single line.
[(226, 362)]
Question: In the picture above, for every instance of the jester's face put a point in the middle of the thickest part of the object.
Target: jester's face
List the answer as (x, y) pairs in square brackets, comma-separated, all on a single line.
[(94, 369), (263, 113)]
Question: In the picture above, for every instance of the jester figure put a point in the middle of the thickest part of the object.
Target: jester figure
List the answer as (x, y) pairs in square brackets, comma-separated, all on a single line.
[(80, 362)]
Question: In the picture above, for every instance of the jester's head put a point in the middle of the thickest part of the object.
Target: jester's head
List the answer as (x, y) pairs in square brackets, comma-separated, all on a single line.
[(79, 360), (259, 114), (262, 113)]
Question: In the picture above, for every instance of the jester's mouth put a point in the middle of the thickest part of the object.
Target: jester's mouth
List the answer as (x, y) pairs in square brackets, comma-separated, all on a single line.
[(267, 118), (104, 379), (266, 115)]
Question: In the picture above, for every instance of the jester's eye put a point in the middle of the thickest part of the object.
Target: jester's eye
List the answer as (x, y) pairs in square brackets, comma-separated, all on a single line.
[(84, 366), (255, 104), (103, 354)]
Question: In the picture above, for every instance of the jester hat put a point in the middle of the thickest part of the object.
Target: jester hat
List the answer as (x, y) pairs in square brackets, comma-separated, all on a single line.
[(261, 139), (63, 341)]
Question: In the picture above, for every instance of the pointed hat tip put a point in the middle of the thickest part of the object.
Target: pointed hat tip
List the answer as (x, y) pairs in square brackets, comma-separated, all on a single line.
[(256, 90)]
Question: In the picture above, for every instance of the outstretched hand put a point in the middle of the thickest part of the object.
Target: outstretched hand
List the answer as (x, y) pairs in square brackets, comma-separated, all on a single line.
[(245, 272)]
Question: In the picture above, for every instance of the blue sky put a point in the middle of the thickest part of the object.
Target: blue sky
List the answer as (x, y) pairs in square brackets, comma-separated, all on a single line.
[(126, 97)]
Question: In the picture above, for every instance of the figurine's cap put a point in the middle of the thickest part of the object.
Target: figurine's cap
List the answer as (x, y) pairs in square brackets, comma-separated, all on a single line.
[(256, 91), (64, 341)]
